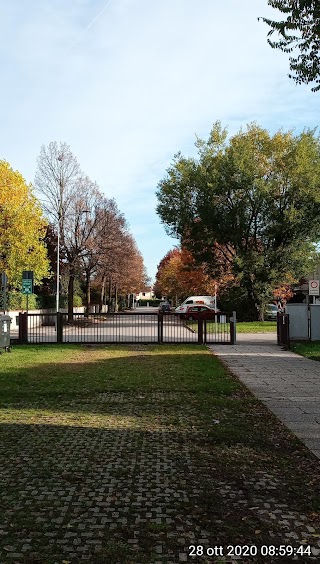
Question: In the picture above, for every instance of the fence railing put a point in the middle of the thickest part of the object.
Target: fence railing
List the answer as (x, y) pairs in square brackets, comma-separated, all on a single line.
[(128, 327)]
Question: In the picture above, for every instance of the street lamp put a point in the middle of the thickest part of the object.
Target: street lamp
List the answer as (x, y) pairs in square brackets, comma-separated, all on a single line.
[(58, 261), (59, 158)]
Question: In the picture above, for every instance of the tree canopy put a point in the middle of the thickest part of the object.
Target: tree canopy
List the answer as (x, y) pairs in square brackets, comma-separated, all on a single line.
[(22, 228), (298, 34), (179, 276), (95, 245), (248, 207)]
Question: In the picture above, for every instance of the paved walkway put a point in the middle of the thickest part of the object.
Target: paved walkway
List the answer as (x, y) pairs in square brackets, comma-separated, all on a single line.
[(287, 383)]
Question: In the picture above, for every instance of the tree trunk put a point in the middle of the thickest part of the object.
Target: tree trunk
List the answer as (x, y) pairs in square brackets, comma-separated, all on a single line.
[(116, 298), (88, 292), (70, 293), (110, 295), (102, 293)]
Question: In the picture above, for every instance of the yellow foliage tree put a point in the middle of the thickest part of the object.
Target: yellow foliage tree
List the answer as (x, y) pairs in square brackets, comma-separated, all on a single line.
[(22, 228), (179, 276)]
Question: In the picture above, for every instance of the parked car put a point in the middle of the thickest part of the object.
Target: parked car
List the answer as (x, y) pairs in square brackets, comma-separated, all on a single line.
[(199, 312), (271, 312), (165, 307), (210, 301)]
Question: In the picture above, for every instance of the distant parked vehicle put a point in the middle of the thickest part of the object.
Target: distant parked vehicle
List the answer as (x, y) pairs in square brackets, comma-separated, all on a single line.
[(271, 312), (209, 301), (165, 307), (195, 312)]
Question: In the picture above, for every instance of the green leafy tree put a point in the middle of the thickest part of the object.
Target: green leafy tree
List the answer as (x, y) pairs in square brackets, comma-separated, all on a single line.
[(22, 229), (298, 34), (248, 208)]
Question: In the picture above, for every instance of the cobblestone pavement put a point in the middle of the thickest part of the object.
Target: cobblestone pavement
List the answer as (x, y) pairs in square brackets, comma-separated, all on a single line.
[(139, 492)]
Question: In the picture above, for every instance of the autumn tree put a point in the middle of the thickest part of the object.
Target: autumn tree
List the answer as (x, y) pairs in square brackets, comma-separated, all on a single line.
[(57, 179), (103, 244), (122, 271), (178, 276), (250, 205), (92, 232), (22, 229), (298, 33), (70, 200)]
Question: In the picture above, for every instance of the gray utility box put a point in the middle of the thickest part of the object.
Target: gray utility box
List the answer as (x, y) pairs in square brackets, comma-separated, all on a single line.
[(5, 321)]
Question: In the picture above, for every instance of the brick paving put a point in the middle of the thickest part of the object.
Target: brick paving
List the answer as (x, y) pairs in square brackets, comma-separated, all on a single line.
[(287, 383), (72, 492)]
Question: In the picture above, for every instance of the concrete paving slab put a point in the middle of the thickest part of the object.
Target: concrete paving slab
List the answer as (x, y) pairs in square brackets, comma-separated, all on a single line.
[(288, 384)]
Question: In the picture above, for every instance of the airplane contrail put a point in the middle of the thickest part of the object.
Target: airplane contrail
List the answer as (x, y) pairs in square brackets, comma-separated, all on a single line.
[(98, 15), (89, 26)]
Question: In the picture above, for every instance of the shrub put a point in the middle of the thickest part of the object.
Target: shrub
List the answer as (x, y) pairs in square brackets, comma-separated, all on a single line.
[(150, 302), (18, 301)]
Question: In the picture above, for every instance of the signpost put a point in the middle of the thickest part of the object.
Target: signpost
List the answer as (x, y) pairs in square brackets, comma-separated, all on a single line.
[(313, 287), (4, 282), (27, 284)]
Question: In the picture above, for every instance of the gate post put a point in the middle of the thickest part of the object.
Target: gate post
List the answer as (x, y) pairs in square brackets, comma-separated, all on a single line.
[(23, 328), (200, 331), (160, 327), (59, 327), (233, 328)]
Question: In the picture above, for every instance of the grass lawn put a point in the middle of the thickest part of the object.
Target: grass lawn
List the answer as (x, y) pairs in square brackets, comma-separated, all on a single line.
[(133, 454), (242, 326), (309, 349), (256, 326)]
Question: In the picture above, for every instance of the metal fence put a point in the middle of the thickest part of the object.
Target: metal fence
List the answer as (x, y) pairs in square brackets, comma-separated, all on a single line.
[(128, 327)]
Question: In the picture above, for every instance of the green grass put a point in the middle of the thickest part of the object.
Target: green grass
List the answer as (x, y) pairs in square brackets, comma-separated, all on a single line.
[(242, 326), (50, 373), (105, 426), (256, 326), (308, 349)]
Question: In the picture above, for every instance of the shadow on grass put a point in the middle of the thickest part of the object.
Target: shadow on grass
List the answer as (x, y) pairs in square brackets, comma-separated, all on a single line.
[(89, 374), (138, 448)]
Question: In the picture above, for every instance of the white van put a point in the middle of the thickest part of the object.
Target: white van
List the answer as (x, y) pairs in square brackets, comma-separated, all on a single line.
[(209, 301)]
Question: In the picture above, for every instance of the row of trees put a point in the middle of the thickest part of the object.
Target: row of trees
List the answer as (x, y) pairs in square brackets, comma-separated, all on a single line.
[(247, 208), (95, 243), (96, 250)]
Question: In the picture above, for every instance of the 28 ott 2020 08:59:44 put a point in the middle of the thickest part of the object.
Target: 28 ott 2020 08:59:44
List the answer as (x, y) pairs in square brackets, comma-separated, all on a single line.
[(251, 550)]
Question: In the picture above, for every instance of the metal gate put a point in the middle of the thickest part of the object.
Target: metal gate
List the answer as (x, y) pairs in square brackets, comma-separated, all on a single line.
[(128, 327)]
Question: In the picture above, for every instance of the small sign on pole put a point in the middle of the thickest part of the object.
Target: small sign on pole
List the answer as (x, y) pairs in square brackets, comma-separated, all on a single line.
[(26, 286), (313, 287)]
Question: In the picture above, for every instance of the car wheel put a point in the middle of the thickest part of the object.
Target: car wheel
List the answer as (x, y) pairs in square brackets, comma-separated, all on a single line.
[(190, 318)]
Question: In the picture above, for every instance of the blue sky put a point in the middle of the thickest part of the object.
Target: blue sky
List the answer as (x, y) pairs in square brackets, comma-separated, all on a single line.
[(128, 83)]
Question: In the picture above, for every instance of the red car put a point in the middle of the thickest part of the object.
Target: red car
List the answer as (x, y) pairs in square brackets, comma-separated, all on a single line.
[(199, 312)]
